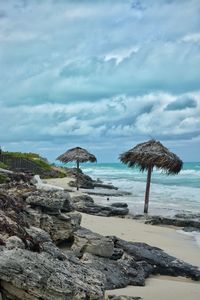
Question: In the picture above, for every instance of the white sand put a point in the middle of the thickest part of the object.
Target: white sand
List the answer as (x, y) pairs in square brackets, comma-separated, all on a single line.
[(62, 182), (181, 246), (174, 243), (167, 238), (162, 288)]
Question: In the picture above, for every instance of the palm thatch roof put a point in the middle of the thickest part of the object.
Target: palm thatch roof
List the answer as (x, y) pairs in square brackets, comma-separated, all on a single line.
[(150, 154), (77, 154)]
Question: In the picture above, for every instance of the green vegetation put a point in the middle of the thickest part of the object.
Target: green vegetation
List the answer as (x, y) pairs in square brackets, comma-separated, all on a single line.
[(3, 166), (34, 157), (28, 155), (3, 178), (47, 170), (61, 175)]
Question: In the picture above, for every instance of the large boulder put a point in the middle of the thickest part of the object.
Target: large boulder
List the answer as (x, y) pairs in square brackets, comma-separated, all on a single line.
[(162, 263), (88, 241), (29, 275), (40, 185), (60, 227), (14, 242), (85, 204), (180, 220), (51, 202), (118, 273)]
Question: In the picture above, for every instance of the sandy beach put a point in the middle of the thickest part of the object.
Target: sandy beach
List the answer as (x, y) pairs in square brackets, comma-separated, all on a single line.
[(167, 238)]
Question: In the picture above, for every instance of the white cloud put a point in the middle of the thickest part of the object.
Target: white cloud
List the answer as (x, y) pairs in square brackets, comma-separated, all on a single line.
[(121, 54), (119, 116), (98, 70), (193, 37)]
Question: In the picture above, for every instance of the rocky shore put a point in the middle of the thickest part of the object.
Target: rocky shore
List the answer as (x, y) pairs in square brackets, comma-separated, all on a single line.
[(45, 253), (189, 222)]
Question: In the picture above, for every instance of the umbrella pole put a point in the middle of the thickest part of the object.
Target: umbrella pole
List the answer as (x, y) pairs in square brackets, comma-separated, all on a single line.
[(77, 175), (146, 203)]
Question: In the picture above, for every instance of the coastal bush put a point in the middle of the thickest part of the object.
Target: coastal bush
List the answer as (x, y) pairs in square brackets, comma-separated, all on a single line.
[(3, 165), (28, 155), (41, 163), (47, 170), (34, 157), (3, 178), (62, 175)]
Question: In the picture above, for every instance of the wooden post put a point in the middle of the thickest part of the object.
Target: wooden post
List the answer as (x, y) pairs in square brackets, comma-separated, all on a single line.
[(146, 203), (77, 175)]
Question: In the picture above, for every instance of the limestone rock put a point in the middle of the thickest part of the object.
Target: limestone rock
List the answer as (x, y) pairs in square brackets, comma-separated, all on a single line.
[(14, 242), (118, 273), (85, 203), (119, 204), (163, 263), (180, 220), (29, 275), (51, 202), (191, 229), (88, 241), (38, 235), (60, 227), (40, 185), (113, 297)]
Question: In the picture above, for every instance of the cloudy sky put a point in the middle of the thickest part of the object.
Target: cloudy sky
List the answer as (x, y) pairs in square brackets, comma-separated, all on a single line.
[(103, 74)]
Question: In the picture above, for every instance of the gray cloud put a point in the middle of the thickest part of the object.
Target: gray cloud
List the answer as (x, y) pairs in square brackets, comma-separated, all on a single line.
[(71, 72), (182, 103)]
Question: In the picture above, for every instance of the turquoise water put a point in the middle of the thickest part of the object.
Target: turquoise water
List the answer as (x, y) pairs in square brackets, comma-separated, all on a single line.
[(189, 175), (168, 195)]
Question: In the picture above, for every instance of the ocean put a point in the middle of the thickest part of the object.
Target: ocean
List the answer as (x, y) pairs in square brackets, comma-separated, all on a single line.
[(169, 194)]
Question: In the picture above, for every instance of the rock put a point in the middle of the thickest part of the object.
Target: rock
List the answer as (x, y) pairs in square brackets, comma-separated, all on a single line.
[(38, 235), (100, 210), (114, 297), (8, 227), (14, 242), (117, 253), (16, 177), (43, 239), (51, 202), (118, 273), (86, 182), (105, 186), (162, 263), (176, 221), (83, 199), (188, 216), (29, 275), (60, 227), (54, 251), (191, 229), (86, 204), (119, 204), (64, 226), (6, 171), (44, 186), (88, 241), (108, 193)]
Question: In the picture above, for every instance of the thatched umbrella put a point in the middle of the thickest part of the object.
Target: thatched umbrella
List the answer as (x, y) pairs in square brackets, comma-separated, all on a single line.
[(148, 155), (79, 155)]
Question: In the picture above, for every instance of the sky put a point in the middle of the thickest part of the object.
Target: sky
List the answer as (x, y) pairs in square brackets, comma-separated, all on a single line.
[(104, 75)]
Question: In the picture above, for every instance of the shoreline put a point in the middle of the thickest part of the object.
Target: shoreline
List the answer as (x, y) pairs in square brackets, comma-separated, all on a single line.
[(182, 246), (123, 227), (168, 239), (162, 288)]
